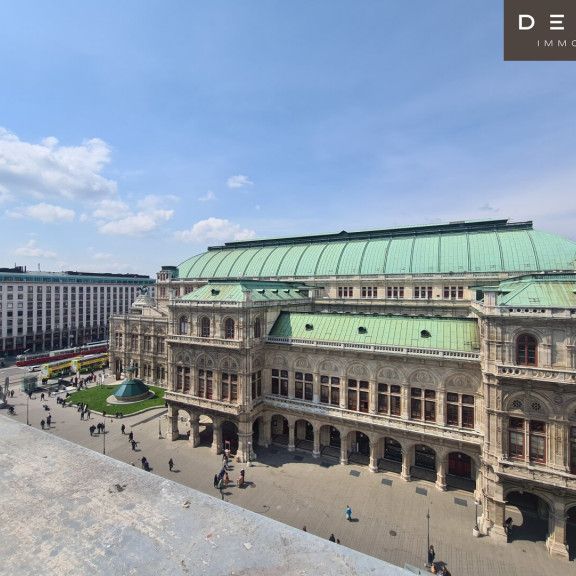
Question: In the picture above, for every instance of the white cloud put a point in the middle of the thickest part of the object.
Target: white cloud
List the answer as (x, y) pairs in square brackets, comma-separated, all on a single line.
[(32, 250), (153, 201), (135, 224), (108, 209), (239, 181), (43, 212), (209, 196), (214, 229), (48, 169)]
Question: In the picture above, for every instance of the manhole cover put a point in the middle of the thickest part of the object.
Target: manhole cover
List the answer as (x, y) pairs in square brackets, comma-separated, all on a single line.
[(354, 473), (460, 502), (387, 481), (392, 532), (421, 491)]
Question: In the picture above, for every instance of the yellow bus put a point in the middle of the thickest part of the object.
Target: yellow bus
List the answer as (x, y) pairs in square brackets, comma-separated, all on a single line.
[(90, 363), (57, 369)]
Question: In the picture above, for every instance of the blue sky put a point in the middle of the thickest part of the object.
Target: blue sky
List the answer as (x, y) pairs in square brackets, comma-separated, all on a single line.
[(134, 134)]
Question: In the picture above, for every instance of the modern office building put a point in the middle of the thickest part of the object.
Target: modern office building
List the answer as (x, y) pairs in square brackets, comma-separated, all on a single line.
[(445, 353), (52, 310)]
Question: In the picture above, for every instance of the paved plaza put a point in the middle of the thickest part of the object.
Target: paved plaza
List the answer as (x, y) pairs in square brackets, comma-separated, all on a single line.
[(389, 515)]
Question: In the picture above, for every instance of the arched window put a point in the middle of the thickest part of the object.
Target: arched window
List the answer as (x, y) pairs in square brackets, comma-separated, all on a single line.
[(205, 327), (257, 328), (229, 329), (526, 350), (183, 325)]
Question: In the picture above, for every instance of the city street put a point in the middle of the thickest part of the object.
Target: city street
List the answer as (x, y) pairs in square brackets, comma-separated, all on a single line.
[(389, 515)]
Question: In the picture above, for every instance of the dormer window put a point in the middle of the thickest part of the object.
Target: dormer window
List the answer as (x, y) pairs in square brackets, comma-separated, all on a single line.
[(526, 350)]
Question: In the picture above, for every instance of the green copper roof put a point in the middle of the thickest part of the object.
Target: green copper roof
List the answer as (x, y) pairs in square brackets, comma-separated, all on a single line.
[(459, 334), (462, 247), (131, 388), (546, 291), (238, 292)]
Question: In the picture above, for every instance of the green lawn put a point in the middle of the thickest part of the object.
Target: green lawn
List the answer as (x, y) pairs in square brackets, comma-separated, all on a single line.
[(95, 399)]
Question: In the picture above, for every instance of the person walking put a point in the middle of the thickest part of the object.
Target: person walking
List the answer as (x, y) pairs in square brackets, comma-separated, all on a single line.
[(92, 430), (42, 423), (130, 436), (221, 487), (170, 464), (49, 420), (332, 538), (431, 555), (133, 442), (348, 513), (88, 414), (216, 480), (42, 396), (123, 429)]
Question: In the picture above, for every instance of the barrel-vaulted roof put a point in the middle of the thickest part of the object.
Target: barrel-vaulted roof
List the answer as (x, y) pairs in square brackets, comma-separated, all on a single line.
[(455, 334), (459, 247)]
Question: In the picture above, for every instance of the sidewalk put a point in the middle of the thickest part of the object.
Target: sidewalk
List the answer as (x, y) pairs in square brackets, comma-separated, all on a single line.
[(389, 514)]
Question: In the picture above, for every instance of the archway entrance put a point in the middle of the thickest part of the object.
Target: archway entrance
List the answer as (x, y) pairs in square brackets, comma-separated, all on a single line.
[(392, 459), (571, 533), (460, 471), (424, 463), (304, 435), (206, 431), (358, 448), (330, 441), (279, 430), (229, 436), (529, 515), (183, 420)]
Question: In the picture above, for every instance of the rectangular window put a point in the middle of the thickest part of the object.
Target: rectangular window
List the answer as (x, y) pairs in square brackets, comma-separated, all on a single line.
[(453, 292), (330, 390), (420, 399), (205, 383), (516, 438), (395, 292), (229, 390), (345, 292), (389, 400), (280, 382), (358, 395), (423, 292), (573, 450), (460, 410), (256, 384), (303, 386), (537, 432), (369, 292)]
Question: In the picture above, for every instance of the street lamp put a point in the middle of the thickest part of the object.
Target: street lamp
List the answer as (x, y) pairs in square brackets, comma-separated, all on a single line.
[(249, 452), (27, 399), (428, 535), (104, 438)]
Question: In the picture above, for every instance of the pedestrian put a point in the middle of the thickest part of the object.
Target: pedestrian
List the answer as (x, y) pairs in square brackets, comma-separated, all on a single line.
[(92, 430), (216, 480), (304, 529), (337, 540), (144, 461), (130, 436), (348, 513), (431, 555), (42, 423), (123, 429), (82, 415), (221, 488), (133, 445), (508, 529), (42, 396), (332, 538), (88, 414), (11, 393), (49, 420), (170, 464)]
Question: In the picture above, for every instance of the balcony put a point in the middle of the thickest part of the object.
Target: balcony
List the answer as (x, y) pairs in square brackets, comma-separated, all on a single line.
[(216, 342), (351, 418), (535, 473), (203, 403), (536, 373), (376, 349)]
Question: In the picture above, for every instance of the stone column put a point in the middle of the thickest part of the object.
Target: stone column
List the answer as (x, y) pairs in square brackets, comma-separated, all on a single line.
[(373, 397), (493, 518), (441, 407), (217, 437), (316, 388), (173, 419), (264, 432), (316, 449), (291, 443), (406, 464), (194, 430), (344, 393), (441, 473), (373, 467), (243, 447), (556, 541), (343, 449), (405, 400)]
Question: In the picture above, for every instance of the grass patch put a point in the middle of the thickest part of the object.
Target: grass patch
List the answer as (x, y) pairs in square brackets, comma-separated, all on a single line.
[(95, 399)]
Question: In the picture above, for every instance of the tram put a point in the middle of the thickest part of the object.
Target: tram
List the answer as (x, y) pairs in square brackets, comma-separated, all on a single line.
[(37, 358)]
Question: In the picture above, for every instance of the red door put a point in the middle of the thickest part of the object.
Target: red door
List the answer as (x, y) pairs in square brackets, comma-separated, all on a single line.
[(460, 465)]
